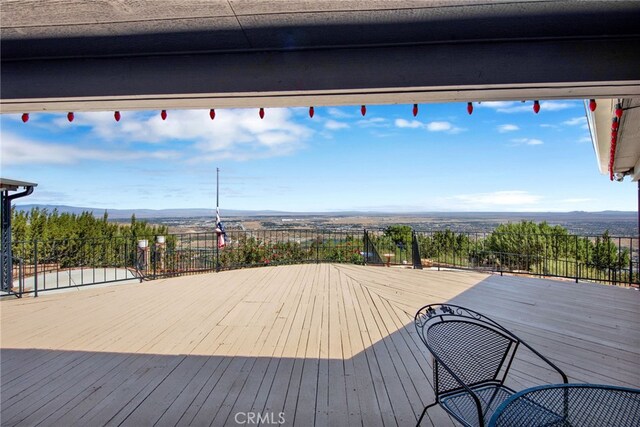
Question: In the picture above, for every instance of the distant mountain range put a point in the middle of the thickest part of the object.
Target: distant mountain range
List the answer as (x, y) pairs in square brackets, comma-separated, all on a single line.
[(198, 213), (150, 213)]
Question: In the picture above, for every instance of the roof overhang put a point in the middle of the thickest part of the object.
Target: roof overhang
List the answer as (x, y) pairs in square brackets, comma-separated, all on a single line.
[(627, 149), (111, 56), (105, 56), (13, 184)]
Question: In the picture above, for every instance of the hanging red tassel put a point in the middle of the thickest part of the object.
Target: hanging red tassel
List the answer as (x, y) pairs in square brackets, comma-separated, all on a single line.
[(311, 112), (163, 114), (536, 107), (363, 110), (469, 107), (415, 110), (261, 113), (25, 117), (212, 113), (116, 116), (592, 105), (618, 110), (70, 116), (614, 124)]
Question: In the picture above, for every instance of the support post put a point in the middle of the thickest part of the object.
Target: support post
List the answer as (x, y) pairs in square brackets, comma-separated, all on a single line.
[(6, 268), (6, 256)]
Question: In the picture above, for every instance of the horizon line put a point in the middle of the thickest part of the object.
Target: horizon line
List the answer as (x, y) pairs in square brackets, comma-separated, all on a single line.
[(310, 212)]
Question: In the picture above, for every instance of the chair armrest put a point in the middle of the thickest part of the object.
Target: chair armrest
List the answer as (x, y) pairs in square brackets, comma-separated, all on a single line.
[(544, 359)]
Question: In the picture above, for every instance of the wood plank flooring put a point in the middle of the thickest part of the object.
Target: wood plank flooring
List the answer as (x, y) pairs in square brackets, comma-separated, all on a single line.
[(307, 345)]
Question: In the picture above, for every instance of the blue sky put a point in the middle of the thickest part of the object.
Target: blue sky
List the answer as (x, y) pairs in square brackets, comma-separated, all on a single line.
[(503, 157)]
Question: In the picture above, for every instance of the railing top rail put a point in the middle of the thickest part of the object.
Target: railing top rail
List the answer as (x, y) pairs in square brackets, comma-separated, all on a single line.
[(337, 231)]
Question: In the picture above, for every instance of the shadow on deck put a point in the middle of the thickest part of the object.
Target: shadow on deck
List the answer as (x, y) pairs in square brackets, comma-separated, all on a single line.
[(303, 345)]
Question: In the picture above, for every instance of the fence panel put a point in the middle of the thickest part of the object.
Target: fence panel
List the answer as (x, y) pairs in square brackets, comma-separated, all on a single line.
[(61, 264), (390, 251), (603, 259)]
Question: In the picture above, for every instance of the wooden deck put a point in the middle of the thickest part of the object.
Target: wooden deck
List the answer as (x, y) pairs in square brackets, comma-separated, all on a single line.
[(322, 344)]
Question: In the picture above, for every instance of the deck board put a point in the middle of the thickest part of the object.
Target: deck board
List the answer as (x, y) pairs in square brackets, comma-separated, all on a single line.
[(323, 344)]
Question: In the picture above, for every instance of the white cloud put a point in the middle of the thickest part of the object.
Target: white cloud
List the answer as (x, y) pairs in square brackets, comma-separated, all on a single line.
[(527, 141), (338, 113), (413, 124), (496, 199), (442, 126), (439, 126), (373, 122), (17, 151), (496, 104), (523, 108), (507, 128), (575, 121), (334, 125), (520, 107), (435, 126), (556, 105), (585, 139), (234, 134)]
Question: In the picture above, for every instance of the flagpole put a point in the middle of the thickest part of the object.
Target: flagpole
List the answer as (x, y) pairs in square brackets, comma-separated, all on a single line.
[(217, 216)]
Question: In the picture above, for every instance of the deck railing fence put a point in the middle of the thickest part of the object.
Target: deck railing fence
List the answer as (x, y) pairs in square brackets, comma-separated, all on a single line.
[(45, 265)]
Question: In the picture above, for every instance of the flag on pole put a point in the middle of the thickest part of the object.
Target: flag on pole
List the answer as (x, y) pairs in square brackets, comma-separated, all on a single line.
[(222, 235)]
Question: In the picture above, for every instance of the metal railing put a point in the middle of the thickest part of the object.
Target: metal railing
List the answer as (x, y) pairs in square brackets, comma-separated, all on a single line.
[(18, 275), (392, 252), (588, 258), (275, 247), (50, 265), (47, 265)]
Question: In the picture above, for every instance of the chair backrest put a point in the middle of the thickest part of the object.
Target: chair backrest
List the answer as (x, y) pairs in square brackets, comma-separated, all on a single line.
[(465, 344)]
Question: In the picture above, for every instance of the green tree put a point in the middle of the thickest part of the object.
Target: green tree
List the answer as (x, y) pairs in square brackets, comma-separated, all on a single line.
[(607, 255), (71, 240), (399, 234), (521, 245)]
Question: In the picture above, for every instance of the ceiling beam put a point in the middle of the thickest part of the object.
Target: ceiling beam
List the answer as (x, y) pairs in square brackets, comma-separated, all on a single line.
[(423, 73)]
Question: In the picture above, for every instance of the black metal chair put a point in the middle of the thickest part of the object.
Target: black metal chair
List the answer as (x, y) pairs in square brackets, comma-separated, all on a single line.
[(568, 405), (472, 355)]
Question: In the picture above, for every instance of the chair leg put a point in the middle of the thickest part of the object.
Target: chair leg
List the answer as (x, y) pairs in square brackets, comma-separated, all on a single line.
[(424, 412)]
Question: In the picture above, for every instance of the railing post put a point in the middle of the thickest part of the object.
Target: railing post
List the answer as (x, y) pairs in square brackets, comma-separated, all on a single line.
[(577, 275), (35, 269), (364, 250), (630, 261), (365, 247), (217, 254), (21, 278), (154, 259)]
